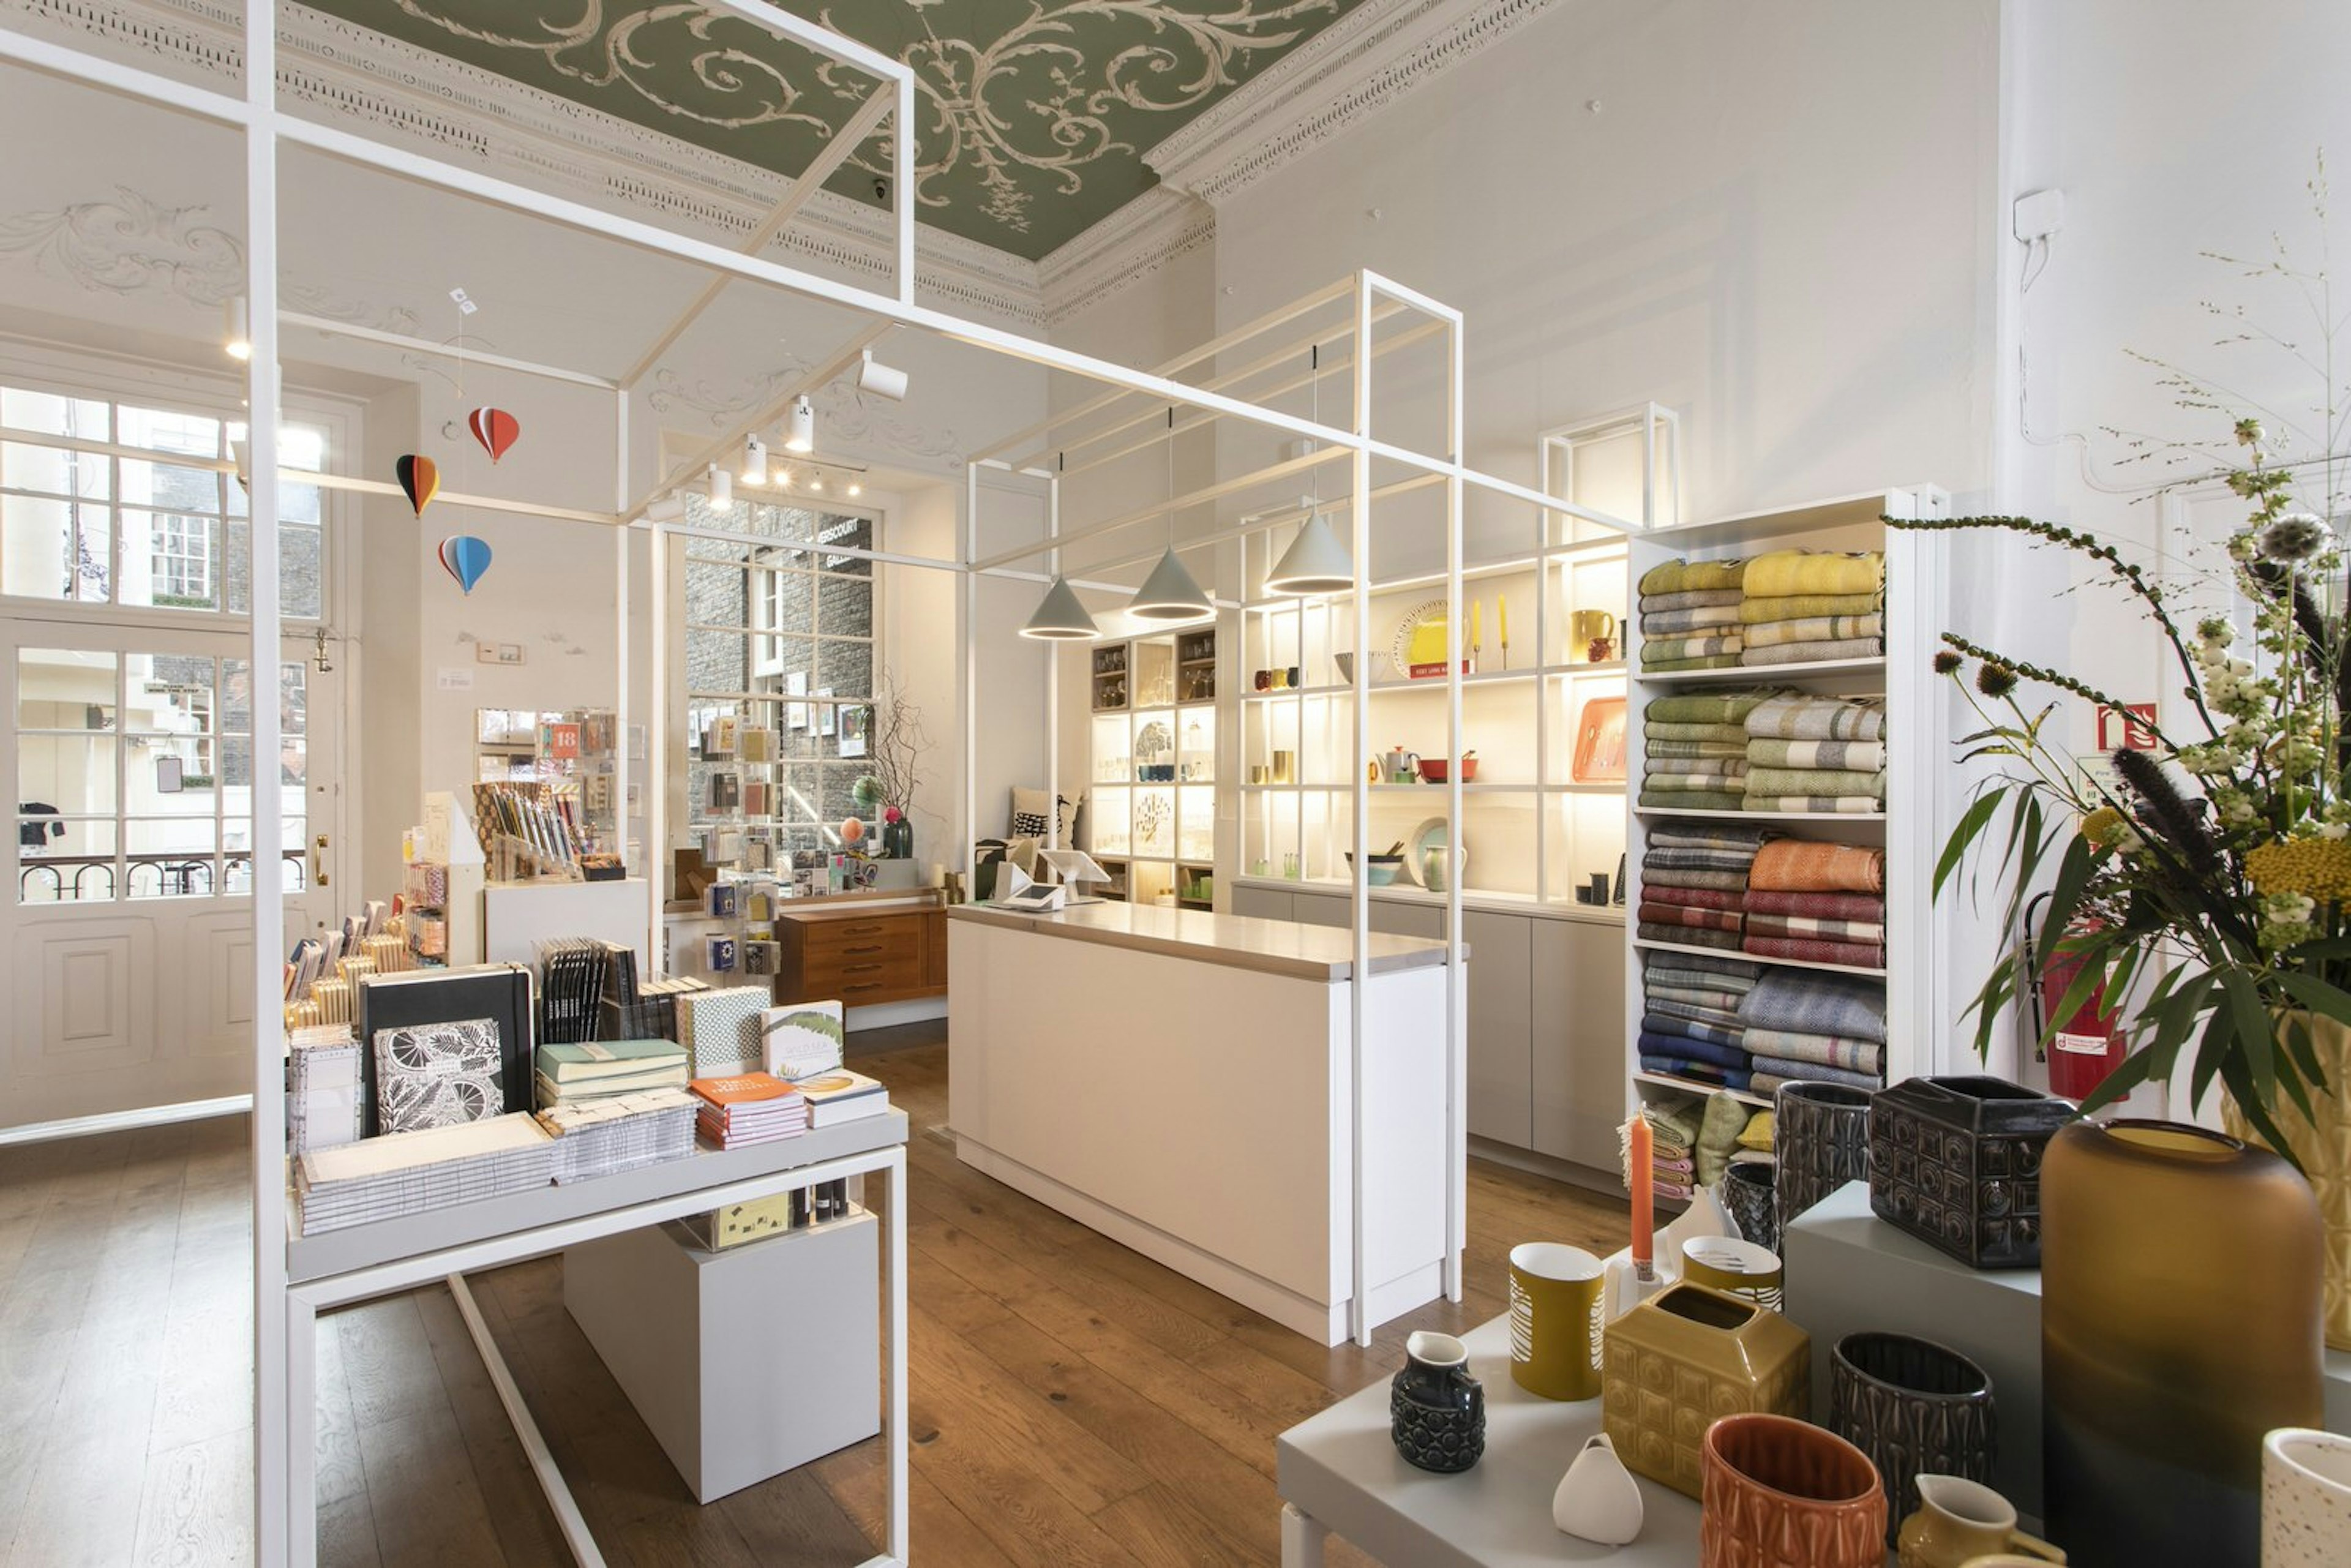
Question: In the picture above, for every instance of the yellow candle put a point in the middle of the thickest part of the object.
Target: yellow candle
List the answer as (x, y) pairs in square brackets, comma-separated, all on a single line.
[(1502, 615), (1476, 621)]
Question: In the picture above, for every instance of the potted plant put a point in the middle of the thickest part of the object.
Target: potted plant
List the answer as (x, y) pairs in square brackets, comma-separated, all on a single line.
[(2203, 884), (896, 742)]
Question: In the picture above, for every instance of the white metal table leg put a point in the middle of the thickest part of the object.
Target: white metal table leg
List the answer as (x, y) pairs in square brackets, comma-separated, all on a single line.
[(301, 1432), (1302, 1536), (895, 1436)]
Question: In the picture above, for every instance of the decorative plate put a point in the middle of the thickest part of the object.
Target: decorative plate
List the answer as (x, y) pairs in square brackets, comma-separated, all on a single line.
[(1432, 614), (1600, 742)]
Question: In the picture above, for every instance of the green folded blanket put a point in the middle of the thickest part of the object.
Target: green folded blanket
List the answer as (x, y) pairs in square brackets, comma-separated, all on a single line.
[(1665, 650), (1655, 730), (1814, 781), (1816, 629), (1654, 780), (1693, 576), (1733, 766), (1793, 715), (1801, 606), (1697, 598), (1692, 750), (1821, 805), (1863, 756), (1781, 572), (1709, 661), (1703, 708), (1672, 623), (1693, 799)]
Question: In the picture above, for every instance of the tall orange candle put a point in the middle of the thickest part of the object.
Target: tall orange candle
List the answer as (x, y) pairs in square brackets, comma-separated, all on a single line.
[(1643, 1179)]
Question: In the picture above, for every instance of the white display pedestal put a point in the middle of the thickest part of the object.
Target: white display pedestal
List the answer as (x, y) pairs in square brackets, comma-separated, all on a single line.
[(1849, 1271), (517, 916), (743, 1363)]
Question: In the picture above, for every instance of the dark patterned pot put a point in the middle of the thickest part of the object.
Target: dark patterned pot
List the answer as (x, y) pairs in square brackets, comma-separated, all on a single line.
[(1956, 1162), (1437, 1411), (1821, 1139), (1747, 1193), (1913, 1407)]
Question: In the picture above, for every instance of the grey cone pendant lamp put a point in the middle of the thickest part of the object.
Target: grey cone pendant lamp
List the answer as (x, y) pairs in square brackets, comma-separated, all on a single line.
[(1169, 593), (1060, 616), (1315, 562)]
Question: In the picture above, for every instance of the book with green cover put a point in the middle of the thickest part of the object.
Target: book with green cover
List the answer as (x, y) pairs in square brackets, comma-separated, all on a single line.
[(567, 1063)]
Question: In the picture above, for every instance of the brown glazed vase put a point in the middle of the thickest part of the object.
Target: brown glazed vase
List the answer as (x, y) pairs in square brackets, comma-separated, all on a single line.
[(2322, 1150), (1784, 1493), (2180, 1323)]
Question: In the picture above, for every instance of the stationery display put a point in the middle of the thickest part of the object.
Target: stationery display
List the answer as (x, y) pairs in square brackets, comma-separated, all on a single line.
[(572, 980), (638, 1009), (322, 1087), (408, 1172), (438, 1074), (616, 1133), (748, 1108)]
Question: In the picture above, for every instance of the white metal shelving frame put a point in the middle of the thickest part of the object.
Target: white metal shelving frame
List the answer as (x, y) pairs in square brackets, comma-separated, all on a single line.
[(283, 1532), (1915, 588)]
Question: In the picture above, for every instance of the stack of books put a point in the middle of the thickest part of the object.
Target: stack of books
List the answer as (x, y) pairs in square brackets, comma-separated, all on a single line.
[(619, 1133), (572, 986), (571, 1073), (322, 1087), (642, 1010), (721, 1028), (401, 1174), (842, 1096), (801, 1040), (749, 1108)]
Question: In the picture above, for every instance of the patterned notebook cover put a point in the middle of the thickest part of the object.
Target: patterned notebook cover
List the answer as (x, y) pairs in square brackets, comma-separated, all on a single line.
[(721, 1028), (438, 1075)]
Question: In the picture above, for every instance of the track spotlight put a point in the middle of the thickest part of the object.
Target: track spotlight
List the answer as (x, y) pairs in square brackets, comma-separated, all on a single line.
[(1060, 617), (1315, 562), (802, 438), (816, 482), (241, 451), (855, 489), (1170, 593), (722, 489), (755, 460), (880, 380), (237, 338), (668, 509)]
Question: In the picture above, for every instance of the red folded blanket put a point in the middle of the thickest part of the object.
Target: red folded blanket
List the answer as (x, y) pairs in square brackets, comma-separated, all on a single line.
[(1816, 906), (1682, 914), (1692, 898), (1814, 951)]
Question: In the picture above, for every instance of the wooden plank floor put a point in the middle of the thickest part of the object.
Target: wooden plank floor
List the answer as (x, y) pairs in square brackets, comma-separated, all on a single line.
[(1071, 1401)]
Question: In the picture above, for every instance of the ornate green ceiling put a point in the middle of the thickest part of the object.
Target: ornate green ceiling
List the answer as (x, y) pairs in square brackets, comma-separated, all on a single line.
[(1033, 115)]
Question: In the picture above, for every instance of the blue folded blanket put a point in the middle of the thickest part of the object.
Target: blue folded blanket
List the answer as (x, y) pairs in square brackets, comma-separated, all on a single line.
[(1720, 1034), (1699, 1071), (1811, 1003), (1812, 1072), (1695, 1049)]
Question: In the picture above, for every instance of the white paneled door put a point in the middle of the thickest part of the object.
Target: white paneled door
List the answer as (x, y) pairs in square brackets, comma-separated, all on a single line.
[(126, 925)]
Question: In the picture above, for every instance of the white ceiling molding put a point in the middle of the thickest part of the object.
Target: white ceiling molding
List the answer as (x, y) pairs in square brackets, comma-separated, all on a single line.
[(1124, 249), (1359, 64), (536, 138)]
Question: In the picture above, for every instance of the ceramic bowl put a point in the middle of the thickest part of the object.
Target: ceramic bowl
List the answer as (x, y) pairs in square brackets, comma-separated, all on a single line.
[(1380, 870), (1434, 769)]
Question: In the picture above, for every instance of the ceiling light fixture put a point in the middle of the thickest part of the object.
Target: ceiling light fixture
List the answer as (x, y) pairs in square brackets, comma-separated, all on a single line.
[(754, 460), (802, 438), (1315, 562), (668, 509), (237, 338), (722, 489), (816, 482), (1170, 592), (880, 380), (855, 489), (1060, 616)]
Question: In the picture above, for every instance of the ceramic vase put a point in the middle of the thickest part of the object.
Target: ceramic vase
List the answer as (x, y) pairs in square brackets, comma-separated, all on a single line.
[(1685, 1356), (1959, 1522), (2306, 1498), (2180, 1324), (2323, 1149), (1747, 1191), (1956, 1162), (898, 840), (1914, 1408), (1437, 1411), (1598, 1499), (1820, 1136), (1782, 1493)]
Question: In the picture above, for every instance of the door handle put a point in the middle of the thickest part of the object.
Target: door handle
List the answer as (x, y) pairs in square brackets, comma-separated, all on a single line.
[(318, 863)]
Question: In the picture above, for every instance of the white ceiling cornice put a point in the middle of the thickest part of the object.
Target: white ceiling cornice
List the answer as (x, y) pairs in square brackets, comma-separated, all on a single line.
[(1359, 64), (1122, 249)]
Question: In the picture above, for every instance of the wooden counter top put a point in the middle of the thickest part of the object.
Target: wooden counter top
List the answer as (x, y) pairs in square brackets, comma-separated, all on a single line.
[(1321, 953)]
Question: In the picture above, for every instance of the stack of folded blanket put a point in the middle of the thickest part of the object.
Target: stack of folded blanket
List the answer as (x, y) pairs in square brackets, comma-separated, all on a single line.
[(1694, 748), (1807, 753), (1689, 1016), (1675, 1120), (1694, 884), (1689, 615), (1823, 902), (1798, 608), (1803, 1024)]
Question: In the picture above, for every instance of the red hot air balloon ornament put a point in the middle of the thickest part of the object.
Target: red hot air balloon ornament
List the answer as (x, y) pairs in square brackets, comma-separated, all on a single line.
[(420, 479), (495, 429)]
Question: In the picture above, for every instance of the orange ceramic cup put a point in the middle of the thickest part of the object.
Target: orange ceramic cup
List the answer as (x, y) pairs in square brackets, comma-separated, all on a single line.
[(1777, 1492)]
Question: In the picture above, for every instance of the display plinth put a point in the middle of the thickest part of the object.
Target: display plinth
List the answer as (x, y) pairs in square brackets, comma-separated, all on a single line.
[(1849, 1271), (691, 1336)]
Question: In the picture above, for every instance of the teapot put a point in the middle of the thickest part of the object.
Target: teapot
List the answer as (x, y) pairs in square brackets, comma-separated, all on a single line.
[(1402, 766)]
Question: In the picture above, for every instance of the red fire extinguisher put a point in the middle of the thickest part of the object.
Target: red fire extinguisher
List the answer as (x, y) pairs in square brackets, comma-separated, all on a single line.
[(2089, 1042)]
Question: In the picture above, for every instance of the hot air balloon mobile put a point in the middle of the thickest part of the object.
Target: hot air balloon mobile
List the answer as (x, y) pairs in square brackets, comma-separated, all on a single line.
[(495, 429), (419, 480), (466, 558)]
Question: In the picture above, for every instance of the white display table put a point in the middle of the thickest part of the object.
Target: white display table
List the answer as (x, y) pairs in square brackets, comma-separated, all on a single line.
[(1181, 1081)]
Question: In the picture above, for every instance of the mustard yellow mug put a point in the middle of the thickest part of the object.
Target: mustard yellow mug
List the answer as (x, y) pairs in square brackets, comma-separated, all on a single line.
[(1555, 1320)]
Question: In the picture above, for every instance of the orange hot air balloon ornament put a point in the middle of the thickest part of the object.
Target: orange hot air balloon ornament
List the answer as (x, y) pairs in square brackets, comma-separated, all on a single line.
[(419, 480), (495, 429)]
